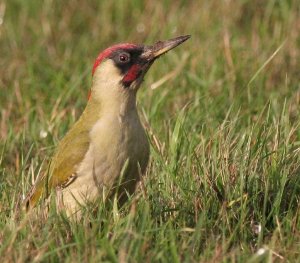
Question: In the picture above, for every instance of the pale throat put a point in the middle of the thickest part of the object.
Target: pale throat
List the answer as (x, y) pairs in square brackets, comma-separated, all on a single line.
[(107, 89)]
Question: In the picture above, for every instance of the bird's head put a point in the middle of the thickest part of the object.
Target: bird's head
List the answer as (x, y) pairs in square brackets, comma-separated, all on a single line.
[(119, 70)]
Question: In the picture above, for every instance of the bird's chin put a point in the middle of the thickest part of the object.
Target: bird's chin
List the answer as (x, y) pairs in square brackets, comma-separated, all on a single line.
[(137, 83)]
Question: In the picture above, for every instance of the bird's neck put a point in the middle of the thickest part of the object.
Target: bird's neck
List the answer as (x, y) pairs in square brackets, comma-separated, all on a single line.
[(121, 109), (108, 92)]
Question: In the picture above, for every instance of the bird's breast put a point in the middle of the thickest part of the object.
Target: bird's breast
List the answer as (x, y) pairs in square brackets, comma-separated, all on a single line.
[(115, 146)]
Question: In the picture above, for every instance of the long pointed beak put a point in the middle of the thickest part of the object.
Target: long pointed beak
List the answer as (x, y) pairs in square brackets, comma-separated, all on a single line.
[(162, 47)]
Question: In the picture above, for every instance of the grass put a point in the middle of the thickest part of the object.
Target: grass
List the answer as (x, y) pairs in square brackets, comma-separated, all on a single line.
[(223, 183)]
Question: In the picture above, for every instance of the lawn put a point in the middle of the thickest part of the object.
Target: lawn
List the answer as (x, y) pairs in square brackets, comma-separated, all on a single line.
[(222, 113)]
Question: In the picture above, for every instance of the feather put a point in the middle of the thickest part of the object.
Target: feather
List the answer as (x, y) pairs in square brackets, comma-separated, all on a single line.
[(68, 155)]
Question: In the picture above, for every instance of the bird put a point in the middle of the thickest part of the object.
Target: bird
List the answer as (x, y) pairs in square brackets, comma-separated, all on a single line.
[(107, 150)]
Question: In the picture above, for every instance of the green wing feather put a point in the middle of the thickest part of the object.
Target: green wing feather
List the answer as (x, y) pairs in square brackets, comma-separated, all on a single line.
[(68, 155)]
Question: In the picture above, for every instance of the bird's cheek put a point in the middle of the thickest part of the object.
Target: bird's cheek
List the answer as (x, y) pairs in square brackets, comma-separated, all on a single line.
[(132, 74)]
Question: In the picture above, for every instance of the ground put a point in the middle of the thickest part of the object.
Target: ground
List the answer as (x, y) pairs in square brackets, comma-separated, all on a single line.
[(222, 113)]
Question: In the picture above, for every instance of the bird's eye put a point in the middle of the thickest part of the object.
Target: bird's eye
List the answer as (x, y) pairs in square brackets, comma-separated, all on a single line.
[(124, 57)]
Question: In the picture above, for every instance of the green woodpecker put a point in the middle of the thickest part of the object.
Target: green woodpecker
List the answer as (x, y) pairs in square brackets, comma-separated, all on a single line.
[(107, 148)]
